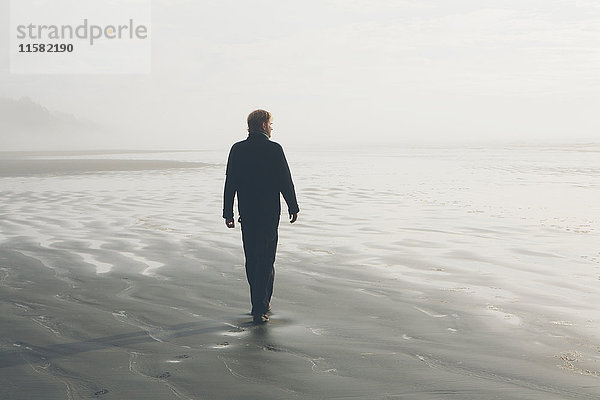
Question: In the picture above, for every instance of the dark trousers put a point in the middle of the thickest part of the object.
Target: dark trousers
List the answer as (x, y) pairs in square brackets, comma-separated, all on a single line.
[(260, 244)]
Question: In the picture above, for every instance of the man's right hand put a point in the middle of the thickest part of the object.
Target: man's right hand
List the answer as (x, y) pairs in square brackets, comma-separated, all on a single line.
[(230, 222)]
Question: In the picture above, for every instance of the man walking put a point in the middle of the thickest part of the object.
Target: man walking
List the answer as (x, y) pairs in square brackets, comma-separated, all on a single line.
[(258, 171)]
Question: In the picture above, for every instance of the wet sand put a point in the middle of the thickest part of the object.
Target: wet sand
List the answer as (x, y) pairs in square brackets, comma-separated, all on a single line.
[(125, 283), (52, 167)]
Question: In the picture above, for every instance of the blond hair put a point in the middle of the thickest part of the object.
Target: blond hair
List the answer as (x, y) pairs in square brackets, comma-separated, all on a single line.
[(256, 119)]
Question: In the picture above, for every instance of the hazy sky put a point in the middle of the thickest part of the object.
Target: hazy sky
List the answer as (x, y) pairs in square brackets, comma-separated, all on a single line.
[(344, 71)]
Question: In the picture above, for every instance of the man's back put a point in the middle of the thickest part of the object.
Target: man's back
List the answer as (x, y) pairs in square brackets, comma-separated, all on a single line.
[(258, 171)]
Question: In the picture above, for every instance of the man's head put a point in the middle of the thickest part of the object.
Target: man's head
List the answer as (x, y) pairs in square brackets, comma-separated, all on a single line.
[(260, 120)]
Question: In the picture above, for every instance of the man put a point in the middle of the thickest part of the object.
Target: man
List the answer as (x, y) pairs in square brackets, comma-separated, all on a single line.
[(258, 171)]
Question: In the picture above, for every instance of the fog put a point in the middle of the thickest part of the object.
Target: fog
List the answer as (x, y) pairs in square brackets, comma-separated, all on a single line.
[(331, 72)]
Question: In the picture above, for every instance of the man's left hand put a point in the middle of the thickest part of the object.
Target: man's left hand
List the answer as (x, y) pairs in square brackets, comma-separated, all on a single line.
[(293, 217)]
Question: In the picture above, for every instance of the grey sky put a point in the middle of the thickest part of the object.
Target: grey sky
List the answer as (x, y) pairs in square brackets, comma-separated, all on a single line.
[(345, 71)]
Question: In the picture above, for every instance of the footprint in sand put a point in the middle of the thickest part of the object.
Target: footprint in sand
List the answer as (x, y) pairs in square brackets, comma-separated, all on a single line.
[(101, 392), (272, 348), (178, 359), (164, 375)]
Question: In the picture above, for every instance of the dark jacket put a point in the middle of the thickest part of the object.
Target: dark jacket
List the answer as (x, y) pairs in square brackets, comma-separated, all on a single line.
[(258, 171)]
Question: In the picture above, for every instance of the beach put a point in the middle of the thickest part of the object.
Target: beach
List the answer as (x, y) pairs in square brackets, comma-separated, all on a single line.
[(463, 272)]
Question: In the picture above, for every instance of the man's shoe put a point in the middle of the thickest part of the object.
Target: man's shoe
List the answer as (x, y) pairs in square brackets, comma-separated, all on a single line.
[(260, 318), (266, 312)]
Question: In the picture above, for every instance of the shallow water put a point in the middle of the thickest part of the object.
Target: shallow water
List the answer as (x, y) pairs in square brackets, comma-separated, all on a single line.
[(457, 272)]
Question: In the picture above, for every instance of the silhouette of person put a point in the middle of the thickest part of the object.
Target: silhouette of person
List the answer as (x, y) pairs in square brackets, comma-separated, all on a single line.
[(258, 172)]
